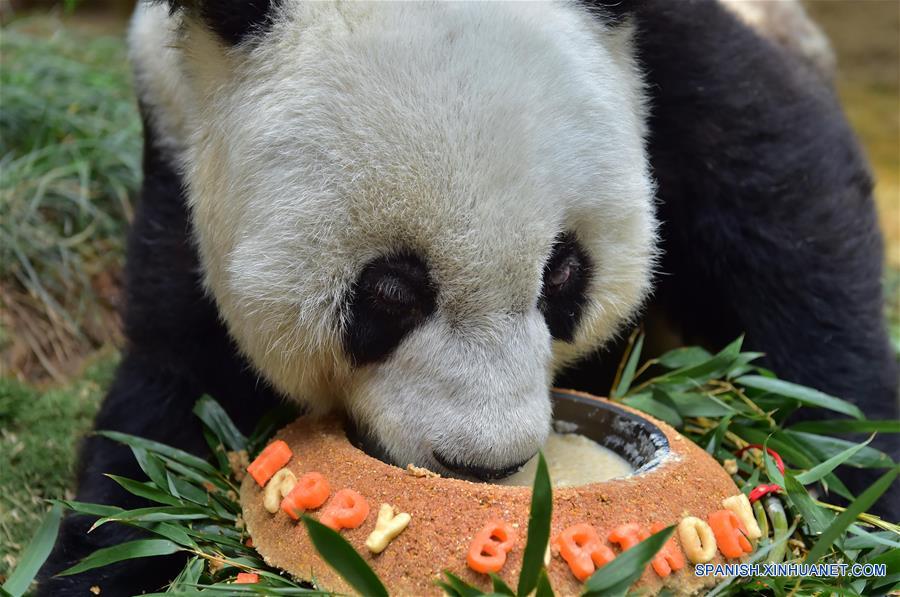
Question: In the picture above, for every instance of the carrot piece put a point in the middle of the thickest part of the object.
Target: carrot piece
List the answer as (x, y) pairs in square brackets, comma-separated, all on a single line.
[(730, 533), (487, 552), (272, 458), (346, 510), (627, 535), (310, 492), (669, 558), (581, 548), (246, 578)]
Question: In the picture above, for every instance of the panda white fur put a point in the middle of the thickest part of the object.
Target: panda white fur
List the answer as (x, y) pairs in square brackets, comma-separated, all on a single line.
[(357, 148), (422, 214)]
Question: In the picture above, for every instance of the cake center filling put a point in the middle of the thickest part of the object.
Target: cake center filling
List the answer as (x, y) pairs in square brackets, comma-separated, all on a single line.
[(573, 460)]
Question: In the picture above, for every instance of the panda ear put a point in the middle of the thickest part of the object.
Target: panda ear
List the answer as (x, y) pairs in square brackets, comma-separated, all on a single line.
[(234, 21)]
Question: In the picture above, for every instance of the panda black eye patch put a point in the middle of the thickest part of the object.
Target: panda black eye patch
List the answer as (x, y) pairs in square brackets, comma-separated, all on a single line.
[(563, 295), (391, 296)]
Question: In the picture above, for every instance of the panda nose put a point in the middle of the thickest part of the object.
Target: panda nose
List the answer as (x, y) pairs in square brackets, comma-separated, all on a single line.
[(482, 473)]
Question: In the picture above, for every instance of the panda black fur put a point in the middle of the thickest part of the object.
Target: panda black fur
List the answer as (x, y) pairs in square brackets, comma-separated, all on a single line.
[(767, 228)]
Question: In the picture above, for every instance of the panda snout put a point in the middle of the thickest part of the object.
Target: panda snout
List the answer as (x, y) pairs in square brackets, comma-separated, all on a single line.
[(482, 473)]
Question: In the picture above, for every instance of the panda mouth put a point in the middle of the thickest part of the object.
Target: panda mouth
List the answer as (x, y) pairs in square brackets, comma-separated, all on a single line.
[(478, 472)]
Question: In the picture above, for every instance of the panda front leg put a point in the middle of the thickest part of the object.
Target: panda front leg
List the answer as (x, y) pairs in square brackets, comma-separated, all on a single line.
[(148, 400)]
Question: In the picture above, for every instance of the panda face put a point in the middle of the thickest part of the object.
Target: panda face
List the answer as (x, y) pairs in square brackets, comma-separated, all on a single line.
[(416, 213)]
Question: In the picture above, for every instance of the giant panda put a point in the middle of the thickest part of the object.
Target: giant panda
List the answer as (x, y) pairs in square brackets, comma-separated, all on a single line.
[(422, 215)]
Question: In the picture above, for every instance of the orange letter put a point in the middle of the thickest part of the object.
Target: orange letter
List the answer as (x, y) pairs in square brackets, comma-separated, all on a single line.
[(489, 547), (731, 536), (580, 547), (627, 535), (668, 558), (347, 510)]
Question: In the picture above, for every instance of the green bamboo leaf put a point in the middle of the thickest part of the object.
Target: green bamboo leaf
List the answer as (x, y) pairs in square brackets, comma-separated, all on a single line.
[(658, 405), (847, 426), (693, 404), (341, 556), (173, 532), (801, 394), (630, 367), (816, 518), (824, 447), (142, 548), (688, 356), (35, 554), (792, 452), (214, 416), (543, 588), (188, 460), (718, 434), (145, 490), (616, 577), (154, 514), (772, 471), (152, 466), (848, 516), (446, 588), (91, 509), (461, 587), (821, 470), (866, 540), (538, 528), (269, 423), (696, 375), (500, 587)]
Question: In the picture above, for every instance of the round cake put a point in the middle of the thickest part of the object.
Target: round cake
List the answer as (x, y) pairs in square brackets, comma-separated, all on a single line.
[(673, 479)]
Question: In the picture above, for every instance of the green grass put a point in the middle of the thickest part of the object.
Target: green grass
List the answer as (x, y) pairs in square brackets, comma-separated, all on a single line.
[(70, 161), (39, 432)]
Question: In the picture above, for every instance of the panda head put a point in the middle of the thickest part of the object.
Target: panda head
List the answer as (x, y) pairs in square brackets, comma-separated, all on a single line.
[(416, 213)]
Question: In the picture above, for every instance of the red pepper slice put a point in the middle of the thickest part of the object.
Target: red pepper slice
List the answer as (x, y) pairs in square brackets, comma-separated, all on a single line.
[(763, 490)]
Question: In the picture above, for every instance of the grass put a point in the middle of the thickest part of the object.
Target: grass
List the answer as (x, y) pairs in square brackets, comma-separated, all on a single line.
[(39, 432), (70, 160)]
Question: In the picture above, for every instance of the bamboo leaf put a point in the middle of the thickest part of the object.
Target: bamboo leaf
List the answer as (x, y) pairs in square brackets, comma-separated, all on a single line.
[(657, 405), (543, 588), (142, 548), (35, 554), (214, 416), (341, 556), (801, 394), (825, 447), (538, 528), (616, 577), (500, 587), (155, 514), (847, 426), (152, 466), (817, 519), (175, 454), (821, 470), (145, 490), (461, 587), (91, 509), (688, 356), (630, 367), (848, 516)]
